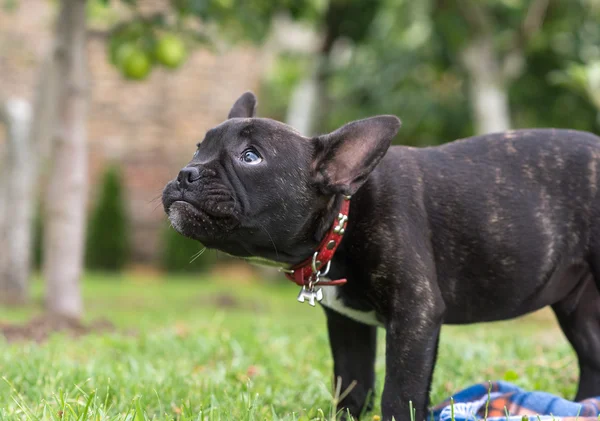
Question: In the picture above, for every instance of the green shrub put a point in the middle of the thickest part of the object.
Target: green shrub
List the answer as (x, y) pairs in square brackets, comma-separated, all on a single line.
[(38, 239), (180, 254), (107, 246)]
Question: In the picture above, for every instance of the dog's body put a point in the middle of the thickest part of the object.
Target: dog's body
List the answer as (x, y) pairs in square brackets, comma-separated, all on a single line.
[(482, 229), (503, 222)]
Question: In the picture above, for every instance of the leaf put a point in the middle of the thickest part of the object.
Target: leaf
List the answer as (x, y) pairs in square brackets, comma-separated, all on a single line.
[(198, 7), (10, 5)]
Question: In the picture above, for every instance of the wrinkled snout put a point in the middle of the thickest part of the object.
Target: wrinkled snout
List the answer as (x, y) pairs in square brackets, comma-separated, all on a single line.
[(200, 204)]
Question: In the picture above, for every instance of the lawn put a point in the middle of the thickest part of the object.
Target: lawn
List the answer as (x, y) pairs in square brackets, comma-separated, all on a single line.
[(196, 349)]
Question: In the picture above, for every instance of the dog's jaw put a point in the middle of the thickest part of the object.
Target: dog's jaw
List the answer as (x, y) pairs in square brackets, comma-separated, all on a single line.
[(182, 217)]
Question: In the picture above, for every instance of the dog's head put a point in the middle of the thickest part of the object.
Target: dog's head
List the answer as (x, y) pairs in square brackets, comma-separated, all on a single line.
[(256, 187)]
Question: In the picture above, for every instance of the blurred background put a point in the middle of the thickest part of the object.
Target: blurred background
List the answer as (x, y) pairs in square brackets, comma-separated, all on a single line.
[(102, 102)]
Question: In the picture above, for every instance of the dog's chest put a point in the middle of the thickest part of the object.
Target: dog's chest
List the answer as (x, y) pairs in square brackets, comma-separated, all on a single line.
[(332, 301)]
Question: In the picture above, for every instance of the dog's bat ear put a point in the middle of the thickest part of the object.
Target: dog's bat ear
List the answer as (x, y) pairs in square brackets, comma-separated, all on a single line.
[(344, 158), (244, 107)]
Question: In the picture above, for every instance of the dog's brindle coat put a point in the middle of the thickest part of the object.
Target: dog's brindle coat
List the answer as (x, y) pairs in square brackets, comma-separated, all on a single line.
[(481, 229)]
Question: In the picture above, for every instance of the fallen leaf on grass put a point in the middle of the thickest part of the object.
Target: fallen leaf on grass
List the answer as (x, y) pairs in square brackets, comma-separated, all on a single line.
[(252, 371), (198, 369), (181, 330)]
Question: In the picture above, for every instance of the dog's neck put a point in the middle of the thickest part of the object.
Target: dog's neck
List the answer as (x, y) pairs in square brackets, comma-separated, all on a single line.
[(326, 218), (317, 227), (319, 263)]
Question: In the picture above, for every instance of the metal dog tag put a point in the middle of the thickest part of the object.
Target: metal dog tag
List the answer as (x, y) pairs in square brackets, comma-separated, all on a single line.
[(310, 295)]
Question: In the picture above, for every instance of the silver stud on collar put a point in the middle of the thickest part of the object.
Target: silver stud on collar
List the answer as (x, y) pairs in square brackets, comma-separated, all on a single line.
[(339, 228)]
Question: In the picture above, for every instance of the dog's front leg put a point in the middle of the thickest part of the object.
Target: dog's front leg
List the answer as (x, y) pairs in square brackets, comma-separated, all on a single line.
[(353, 346), (411, 349)]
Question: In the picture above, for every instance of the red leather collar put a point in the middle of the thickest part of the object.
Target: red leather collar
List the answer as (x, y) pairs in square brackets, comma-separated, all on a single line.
[(304, 272)]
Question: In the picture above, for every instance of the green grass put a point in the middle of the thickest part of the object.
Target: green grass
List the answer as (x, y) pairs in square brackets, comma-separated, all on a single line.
[(177, 356)]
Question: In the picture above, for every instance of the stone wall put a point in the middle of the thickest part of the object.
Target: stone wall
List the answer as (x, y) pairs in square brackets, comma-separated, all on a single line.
[(150, 127)]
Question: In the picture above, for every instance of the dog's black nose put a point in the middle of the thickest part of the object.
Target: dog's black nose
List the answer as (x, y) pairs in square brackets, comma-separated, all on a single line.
[(187, 176)]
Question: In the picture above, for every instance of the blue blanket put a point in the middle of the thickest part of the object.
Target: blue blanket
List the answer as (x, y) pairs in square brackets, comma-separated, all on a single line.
[(502, 401)]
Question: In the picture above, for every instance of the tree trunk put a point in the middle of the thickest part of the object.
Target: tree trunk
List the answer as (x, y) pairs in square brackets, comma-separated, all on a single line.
[(18, 196), (3, 187), (309, 101), (307, 106), (304, 105), (3, 190), (487, 87), (45, 111), (67, 190), (24, 153)]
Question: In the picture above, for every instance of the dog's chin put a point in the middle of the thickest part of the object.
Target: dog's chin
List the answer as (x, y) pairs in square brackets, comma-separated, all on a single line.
[(184, 218), (194, 223), (190, 222), (199, 225)]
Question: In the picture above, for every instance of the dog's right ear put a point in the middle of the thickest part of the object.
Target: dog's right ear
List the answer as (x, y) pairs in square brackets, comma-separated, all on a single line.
[(244, 107)]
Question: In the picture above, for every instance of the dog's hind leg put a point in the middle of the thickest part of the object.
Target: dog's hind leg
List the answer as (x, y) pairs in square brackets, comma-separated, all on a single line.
[(579, 318)]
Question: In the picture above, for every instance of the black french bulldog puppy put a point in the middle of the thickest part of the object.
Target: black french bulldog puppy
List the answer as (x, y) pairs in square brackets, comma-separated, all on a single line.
[(486, 228)]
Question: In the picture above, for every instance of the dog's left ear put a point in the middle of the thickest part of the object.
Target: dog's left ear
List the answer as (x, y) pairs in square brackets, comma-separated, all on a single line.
[(344, 158), (244, 107)]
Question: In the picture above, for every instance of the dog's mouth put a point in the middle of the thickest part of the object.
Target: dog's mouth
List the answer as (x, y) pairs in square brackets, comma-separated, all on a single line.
[(204, 224)]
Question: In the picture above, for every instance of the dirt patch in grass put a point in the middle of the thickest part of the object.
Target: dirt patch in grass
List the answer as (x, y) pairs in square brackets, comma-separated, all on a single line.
[(224, 301), (39, 328), (228, 301)]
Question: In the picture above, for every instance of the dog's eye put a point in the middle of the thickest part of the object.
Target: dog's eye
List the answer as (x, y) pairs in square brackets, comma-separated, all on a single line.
[(250, 156)]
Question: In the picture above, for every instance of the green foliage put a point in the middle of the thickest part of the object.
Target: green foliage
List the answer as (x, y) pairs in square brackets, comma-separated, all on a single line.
[(108, 231), (407, 62), (10, 5), (278, 84), (137, 45), (350, 18), (37, 255), (578, 49), (548, 86), (391, 75), (182, 254), (555, 89), (99, 15)]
